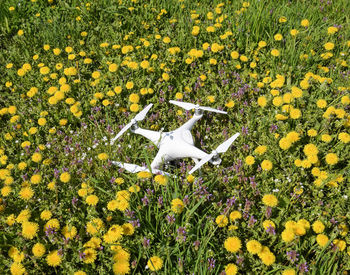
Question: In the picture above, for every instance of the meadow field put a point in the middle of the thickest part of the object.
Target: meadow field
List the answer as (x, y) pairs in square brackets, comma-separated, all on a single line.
[(73, 73)]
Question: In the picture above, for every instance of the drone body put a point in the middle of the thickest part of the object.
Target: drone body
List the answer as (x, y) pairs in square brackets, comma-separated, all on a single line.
[(176, 144)]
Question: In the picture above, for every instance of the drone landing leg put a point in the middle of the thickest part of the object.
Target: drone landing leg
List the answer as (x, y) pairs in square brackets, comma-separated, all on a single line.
[(158, 161), (195, 160), (151, 135)]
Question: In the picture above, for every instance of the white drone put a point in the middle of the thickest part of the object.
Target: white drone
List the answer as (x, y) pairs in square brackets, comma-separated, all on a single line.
[(176, 144)]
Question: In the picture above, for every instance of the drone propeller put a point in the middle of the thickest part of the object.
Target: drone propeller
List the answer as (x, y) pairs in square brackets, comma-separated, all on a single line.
[(140, 116), (222, 148), (133, 168), (189, 106)]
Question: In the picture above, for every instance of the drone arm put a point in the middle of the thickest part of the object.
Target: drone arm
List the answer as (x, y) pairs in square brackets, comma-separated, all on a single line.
[(150, 135), (190, 123)]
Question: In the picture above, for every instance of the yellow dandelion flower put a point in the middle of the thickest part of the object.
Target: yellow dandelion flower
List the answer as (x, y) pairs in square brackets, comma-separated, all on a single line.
[(254, 247), (92, 200), (331, 159), (340, 244), (231, 269), (89, 256), (310, 149), (266, 165), (305, 23), (29, 229), (234, 215), (155, 263), (17, 269), (249, 160), (35, 179), (121, 268), (177, 206), (53, 259), (318, 227), (233, 244), (262, 101), (53, 224), (65, 177), (38, 250), (268, 223), (267, 258), (144, 175), (221, 220), (26, 193), (103, 156), (275, 52), (322, 240), (288, 235), (344, 137), (270, 200), (128, 229), (69, 231), (161, 179)]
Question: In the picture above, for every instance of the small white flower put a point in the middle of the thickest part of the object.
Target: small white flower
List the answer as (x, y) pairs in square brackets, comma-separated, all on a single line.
[(275, 190)]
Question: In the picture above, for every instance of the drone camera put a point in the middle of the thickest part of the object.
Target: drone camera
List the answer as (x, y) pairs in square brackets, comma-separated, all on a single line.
[(198, 112), (134, 127), (216, 160)]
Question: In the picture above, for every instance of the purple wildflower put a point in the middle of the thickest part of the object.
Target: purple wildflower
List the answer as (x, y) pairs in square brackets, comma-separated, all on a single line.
[(196, 244), (146, 242), (292, 256), (251, 221), (303, 267), (170, 219), (211, 263)]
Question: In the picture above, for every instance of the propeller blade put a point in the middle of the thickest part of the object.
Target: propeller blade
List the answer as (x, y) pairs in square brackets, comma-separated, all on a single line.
[(132, 168), (187, 106), (202, 162), (223, 147), (212, 110), (141, 115), (122, 131)]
